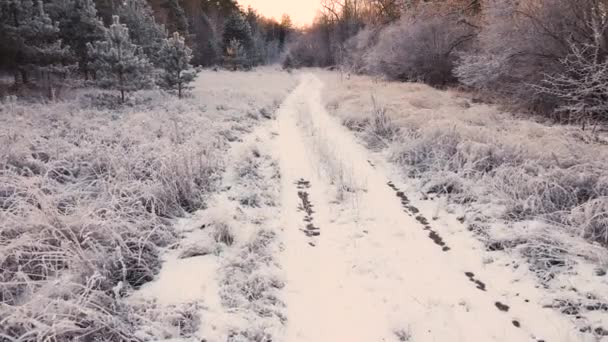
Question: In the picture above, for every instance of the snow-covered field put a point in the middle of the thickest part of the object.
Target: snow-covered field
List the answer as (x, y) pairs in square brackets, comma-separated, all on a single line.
[(272, 206)]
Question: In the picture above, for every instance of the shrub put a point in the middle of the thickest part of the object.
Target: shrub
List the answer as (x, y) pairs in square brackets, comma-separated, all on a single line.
[(380, 130), (541, 55), (420, 47), (223, 233), (581, 87)]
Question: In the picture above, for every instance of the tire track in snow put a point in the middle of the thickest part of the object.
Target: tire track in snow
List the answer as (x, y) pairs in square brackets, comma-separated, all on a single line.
[(372, 275), (306, 206), (438, 240), (413, 211)]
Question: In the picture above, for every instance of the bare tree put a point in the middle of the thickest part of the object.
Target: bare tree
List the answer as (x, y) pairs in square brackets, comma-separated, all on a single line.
[(528, 49), (581, 87)]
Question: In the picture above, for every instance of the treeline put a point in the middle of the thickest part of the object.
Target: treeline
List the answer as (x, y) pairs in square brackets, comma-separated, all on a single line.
[(127, 44), (547, 56)]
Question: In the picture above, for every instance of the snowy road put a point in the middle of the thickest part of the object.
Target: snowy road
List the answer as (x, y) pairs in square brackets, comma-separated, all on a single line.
[(362, 264)]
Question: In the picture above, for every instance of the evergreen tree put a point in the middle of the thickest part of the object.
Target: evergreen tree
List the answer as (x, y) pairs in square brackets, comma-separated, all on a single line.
[(211, 53), (174, 58), (237, 28), (236, 56), (143, 28), (257, 52), (119, 64), (285, 28), (79, 25), (6, 49), (106, 9), (176, 20), (32, 40)]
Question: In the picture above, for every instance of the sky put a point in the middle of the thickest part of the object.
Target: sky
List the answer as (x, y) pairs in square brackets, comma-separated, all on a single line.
[(302, 12)]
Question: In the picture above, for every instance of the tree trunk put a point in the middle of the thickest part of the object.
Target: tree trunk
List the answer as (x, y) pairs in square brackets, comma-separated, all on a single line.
[(49, 84), (122, 88), (84, 68), (24, 78), (179, 90)]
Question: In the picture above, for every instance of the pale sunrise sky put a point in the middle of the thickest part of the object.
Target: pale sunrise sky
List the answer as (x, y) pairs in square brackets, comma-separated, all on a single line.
[(302, 12)]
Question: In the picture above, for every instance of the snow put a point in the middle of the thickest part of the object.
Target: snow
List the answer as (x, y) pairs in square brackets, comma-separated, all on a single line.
[(184, 281)]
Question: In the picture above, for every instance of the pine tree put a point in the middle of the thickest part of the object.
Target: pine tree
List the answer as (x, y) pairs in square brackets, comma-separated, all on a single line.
[(174, 58), (285, 28), (236, 56), (32, 40), (257, 52), (237, 28), (143, 28), (120, 64), (176, 20), (79, 25)]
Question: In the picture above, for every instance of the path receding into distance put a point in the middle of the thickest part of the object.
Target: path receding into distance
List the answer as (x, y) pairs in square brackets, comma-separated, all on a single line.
[(364, 265)]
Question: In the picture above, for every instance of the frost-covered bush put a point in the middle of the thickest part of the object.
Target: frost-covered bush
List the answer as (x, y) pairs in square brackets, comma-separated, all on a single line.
[(540, 54), (223, 233), (359, 46), (380, 131), (581, 86), (592, 218), (482, 71), (420, 47), (311, 48)]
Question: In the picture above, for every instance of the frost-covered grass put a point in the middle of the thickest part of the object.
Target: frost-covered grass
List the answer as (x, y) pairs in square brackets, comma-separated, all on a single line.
[(249, 276), (87, 194), (548, 184), (339, 173)]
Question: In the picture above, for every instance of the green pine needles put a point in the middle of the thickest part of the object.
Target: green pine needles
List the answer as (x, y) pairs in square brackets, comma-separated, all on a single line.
[(174, 59), (119, 64)]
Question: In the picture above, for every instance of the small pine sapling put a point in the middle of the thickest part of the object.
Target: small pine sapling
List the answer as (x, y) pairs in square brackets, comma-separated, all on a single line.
[(174, 58), (120, 64)]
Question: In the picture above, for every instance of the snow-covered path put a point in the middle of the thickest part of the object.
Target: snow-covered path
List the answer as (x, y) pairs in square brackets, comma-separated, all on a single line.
[(362, 264)]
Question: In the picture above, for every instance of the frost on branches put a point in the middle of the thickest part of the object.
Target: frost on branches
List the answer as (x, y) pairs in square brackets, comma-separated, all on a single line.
[(582, 86), (174, 58), (120, 64)]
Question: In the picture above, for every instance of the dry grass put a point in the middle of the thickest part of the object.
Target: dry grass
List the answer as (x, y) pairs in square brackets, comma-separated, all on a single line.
[(339, 173), (87, 194), (250, 281)]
